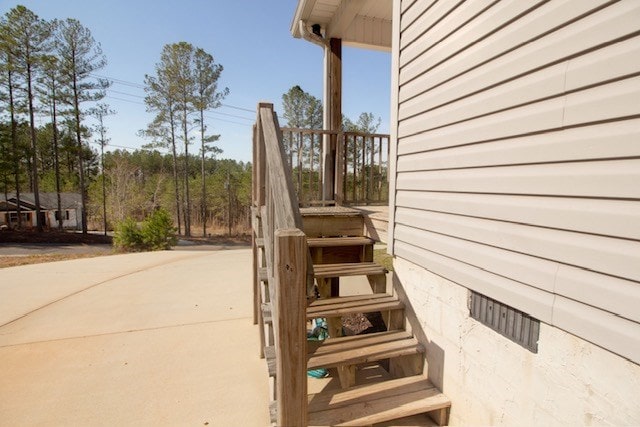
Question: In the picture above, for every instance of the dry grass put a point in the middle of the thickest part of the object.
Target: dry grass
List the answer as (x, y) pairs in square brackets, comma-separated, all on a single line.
[(14, 261), (383, 258)]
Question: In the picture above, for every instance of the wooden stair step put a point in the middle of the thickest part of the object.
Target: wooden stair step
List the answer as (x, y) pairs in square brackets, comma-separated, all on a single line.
[(344, 351), (348, 269), (324, 242), (331, 211), (332, 221), (270, 356), (341, 306), (376, 403), (266, 312)]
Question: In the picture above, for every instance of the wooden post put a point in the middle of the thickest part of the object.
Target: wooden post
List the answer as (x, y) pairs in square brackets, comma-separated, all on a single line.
[(260, 164), (332, 113), (254, 248), (290, 268), (340, 169)]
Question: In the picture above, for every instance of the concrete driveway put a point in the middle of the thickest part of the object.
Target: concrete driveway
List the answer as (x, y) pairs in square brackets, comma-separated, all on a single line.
[(162, 338)]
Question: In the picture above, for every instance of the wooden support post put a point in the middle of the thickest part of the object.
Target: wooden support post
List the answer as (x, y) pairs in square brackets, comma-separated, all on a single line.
[(378, 283), (332, 114), (260, 166), (290, 268), (406, 366), (347, 376), (394, 320), (340, 172)]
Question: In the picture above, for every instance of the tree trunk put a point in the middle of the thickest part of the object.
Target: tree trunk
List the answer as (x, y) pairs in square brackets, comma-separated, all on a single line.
[(83, 193), (204, 183), (34, 150), (14, 144), (187, 213), (56, 159), (175, 166)]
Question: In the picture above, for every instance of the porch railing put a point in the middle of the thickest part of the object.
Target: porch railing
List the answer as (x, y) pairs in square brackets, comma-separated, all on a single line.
[(281, 258), (361, 165)]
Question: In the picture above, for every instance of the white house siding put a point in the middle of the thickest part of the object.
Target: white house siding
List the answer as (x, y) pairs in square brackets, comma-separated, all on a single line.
[(518, 176)]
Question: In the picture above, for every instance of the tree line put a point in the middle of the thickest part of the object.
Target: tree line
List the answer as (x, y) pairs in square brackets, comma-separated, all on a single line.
[(46, 71), (47, 74), (141, 181)]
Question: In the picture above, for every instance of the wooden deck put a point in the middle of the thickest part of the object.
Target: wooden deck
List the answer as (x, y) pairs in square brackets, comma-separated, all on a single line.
[(376, 218)]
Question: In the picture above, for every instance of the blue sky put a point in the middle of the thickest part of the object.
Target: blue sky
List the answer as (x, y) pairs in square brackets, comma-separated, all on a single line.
[(250, 38)]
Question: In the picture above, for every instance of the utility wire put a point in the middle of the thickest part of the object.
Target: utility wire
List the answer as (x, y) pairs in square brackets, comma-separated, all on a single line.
[(139, 86), (209, 117)]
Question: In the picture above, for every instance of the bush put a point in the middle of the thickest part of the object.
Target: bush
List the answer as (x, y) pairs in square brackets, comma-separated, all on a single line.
[(128, 237), (156, 233)]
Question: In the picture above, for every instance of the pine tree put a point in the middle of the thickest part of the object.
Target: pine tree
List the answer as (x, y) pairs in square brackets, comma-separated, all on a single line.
[(207, 96), (80, 56), (101, 111), (30, 37)]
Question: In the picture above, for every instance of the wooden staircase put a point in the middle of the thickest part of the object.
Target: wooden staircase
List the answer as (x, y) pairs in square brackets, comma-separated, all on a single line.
[(300, 258), (398, 389)]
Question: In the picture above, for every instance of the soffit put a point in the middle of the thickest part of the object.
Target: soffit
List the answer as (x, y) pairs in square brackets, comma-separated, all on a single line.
[(362, 23)]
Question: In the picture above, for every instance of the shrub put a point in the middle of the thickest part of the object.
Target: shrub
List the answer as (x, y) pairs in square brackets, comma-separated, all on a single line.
[(128, 237), (156, 233)]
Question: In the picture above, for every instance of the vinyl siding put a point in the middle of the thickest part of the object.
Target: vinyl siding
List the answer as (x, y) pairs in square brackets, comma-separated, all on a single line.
[(517, 166)]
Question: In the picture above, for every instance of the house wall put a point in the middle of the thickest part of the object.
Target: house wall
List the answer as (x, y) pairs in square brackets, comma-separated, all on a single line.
[(517, 175), (71, 223), (494, 381)]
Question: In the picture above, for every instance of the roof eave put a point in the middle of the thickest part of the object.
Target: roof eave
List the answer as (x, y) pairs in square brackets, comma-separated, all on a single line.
[(302, 7)]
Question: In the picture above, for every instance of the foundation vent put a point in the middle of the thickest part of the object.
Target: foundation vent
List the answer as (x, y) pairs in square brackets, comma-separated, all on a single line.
[(513, 324)]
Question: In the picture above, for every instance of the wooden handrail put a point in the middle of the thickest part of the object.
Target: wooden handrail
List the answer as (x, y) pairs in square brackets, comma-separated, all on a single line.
[(289, 272)]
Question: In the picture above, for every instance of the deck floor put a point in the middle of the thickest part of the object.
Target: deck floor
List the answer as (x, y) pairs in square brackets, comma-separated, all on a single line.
[(376, 218)]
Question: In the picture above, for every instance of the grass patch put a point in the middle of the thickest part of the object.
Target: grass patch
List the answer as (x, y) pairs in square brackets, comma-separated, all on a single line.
[(383, 258)]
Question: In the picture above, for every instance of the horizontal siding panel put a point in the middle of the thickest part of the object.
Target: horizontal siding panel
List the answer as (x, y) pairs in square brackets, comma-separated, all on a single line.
[(606, 255), (604, 329), (600, 141), (460, 16), (614, 218), (479, 29), (411, 31), (612, 62), (532, 271), (602, 27), (610, 101), (537, 117), (412, 9), (544, 84), (619, 296), (605, 64), (531, 300), (610, 179)]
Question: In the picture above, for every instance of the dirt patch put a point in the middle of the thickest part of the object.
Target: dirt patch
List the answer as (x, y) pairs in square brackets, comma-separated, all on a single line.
[(240, 240), (359, 324), (51, 236), (15, 261)]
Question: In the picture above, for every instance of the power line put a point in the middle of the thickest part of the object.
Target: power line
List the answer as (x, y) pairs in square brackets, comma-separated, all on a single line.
[(140, 86)]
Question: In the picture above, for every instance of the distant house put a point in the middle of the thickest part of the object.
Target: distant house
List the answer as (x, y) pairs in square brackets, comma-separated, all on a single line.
[(70, 204)]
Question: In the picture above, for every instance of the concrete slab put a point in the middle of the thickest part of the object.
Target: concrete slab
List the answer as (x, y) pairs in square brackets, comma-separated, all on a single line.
[(162, 338)]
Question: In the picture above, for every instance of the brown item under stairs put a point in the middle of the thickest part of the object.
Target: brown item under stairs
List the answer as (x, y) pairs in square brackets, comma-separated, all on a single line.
[(338, 249)]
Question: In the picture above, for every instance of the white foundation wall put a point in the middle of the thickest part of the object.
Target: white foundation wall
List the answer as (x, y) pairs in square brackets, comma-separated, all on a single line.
[(494, 381)]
